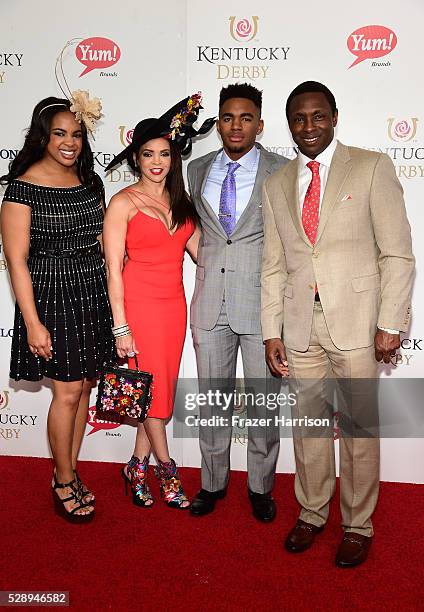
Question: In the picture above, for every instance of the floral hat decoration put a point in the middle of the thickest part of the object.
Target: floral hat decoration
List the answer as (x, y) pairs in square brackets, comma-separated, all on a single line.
[(87, 110), (175, 124)]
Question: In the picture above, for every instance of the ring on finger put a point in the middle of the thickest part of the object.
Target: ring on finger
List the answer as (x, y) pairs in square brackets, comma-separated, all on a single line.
[(131, 354)]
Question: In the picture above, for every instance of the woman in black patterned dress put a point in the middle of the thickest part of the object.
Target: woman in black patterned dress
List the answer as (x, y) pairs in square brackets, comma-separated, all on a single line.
[(51, 219)]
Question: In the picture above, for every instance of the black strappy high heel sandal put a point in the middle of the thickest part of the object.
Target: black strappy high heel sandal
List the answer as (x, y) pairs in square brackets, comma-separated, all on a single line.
[(87, 495), (76, 496)]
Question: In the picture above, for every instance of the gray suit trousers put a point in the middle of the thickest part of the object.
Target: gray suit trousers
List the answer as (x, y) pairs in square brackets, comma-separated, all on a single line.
[(216, 353)]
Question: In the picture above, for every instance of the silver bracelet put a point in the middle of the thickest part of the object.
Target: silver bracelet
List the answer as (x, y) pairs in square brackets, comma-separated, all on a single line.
[(128, 333), (122, 330), (116, 327)]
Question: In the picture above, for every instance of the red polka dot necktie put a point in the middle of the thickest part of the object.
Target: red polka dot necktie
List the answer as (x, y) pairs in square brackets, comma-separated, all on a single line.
[(310, 210)]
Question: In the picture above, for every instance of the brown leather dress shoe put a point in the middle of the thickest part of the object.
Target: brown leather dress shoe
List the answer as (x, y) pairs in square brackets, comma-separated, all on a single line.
[(353, 550), (301, 537)]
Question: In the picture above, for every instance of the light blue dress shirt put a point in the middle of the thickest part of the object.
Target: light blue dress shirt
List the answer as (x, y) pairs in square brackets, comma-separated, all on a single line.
[(245, 179)]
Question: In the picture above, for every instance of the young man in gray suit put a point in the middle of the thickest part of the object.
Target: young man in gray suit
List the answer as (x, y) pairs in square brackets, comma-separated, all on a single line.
[(226, 187)]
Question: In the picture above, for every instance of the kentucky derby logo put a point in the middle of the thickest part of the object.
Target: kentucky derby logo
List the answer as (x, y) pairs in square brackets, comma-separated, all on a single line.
[(403, 130), (125, 136), (244, 30), (4, 399)]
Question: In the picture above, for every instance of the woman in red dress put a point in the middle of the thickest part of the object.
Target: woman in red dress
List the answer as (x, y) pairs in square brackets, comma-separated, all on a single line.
[(147, 229)]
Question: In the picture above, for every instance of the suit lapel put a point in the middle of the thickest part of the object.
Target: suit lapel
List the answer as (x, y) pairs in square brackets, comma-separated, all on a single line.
[(291, 190), (263, 171), (202, 177), (339, 170)]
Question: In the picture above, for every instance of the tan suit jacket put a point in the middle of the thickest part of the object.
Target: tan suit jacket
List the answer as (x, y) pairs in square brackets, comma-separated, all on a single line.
[(362, 261)]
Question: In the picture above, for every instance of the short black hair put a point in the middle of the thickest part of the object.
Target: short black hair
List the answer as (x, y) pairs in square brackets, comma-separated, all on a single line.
[(312, 87), (241, 90)]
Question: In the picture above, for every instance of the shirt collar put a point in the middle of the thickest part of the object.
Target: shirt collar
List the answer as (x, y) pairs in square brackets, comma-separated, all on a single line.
[(248, 161), (323, 158)]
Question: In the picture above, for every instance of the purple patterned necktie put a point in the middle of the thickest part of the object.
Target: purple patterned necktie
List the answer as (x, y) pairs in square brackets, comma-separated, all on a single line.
[(227, 201)]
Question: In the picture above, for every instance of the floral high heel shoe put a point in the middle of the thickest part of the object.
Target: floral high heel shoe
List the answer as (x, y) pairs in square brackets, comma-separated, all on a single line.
[(170, 485), (136, 477)]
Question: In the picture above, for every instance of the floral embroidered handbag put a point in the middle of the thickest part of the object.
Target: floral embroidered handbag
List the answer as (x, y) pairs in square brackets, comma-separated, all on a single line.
[(123, 392)]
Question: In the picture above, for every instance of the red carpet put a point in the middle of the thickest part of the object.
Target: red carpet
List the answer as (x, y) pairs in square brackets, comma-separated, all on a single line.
[(162, 559)]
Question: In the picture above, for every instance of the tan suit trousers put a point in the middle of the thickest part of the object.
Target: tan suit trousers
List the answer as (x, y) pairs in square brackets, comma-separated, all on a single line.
[(315, 479)]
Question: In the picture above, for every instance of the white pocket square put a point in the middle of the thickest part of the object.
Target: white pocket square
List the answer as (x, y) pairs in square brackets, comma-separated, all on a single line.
[(346, 197)]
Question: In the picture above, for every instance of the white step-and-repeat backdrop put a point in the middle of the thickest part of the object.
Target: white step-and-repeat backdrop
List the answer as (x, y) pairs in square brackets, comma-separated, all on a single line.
[(139, 59)]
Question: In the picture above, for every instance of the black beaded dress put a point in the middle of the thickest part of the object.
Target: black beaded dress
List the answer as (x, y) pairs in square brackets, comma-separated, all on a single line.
[(69, 281)]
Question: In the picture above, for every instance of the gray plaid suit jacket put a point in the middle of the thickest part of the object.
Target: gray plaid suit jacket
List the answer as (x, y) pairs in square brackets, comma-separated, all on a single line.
[(231, 265)]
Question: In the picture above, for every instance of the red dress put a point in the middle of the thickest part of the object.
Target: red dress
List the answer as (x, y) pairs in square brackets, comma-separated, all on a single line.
[(154, 300)]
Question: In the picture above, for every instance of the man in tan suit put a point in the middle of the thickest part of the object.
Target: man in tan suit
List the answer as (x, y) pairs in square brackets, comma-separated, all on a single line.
[(336, 283)]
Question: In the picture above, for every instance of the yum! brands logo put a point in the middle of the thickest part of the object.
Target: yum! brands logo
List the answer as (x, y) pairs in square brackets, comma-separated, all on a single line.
[(99, 424), (402, 130), (244, 30), (95, 53), (371, 42)]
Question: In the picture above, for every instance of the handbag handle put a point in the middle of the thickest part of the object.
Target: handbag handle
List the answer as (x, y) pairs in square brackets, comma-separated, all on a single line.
[(116, 365)]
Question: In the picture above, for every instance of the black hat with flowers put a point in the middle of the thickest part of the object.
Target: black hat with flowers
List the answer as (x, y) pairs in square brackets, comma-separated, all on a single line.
[(176, 124)]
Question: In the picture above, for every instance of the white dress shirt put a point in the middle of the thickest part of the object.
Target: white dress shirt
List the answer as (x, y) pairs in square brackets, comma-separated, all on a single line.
[(305, 176), (245, 177)]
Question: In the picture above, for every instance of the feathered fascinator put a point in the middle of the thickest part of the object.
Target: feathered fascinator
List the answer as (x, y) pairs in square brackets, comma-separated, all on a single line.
[(175, 124), (87, 110)]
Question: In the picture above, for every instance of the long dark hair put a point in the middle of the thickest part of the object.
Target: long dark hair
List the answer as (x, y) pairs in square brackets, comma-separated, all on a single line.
[(182, 208), (37, 138)]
